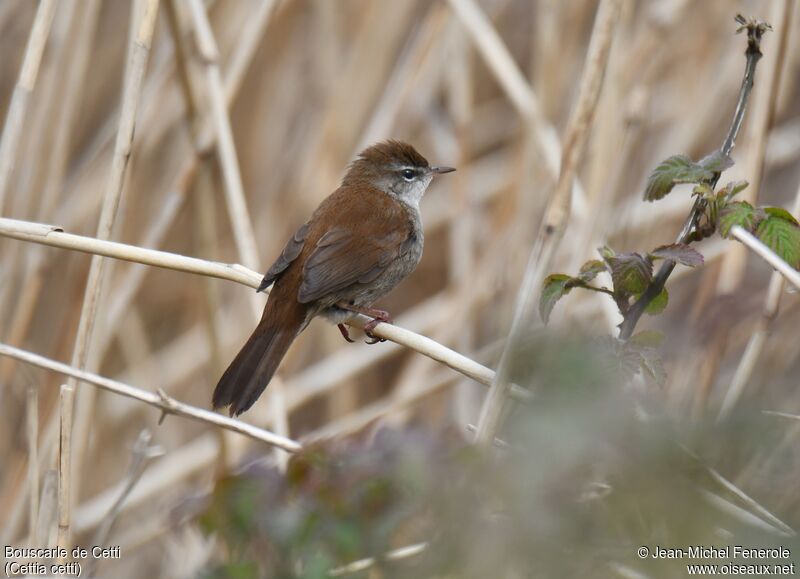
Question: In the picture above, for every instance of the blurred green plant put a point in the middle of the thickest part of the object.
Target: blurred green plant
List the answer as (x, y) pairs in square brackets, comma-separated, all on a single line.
[(587, 474)]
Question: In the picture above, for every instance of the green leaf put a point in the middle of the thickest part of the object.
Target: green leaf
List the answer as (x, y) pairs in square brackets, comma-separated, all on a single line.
[(739, 213), (555, 287), (606, 252), (731, 189), (716, 162), (781, 213), (672, 170), (630, 272), (679, 252), (646, 339), (590, 269), (658, 304), (781, 236), (704, 190)]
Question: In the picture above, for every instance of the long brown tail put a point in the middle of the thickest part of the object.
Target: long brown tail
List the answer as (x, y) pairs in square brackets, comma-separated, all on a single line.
[(254, 365)]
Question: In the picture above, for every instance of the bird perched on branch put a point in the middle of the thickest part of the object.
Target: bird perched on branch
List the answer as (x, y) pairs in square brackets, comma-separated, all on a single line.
[(363, 240)]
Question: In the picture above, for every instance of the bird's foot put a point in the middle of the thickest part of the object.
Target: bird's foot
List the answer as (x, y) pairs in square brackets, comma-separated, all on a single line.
[(378, 317), (345, 333)]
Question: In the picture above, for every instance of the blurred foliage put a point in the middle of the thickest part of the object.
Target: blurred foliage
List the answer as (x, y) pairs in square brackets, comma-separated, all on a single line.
[(586, 474)]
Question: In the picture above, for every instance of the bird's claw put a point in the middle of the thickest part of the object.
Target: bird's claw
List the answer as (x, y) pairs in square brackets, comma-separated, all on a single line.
[(345, 333)]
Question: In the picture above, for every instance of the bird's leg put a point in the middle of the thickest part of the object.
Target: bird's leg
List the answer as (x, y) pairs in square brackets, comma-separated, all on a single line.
[(345, 333), (378, 317)]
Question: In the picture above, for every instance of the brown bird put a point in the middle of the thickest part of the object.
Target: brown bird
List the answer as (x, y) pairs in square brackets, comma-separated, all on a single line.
[(362, 241)]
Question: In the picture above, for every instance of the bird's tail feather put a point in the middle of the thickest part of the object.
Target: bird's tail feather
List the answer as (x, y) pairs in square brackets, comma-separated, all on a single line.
[(256, 363)]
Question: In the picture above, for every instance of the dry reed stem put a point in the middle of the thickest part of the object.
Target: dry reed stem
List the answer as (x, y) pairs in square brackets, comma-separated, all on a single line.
[(161, 400), (393, 555), (134, 76), (758, 338), (753, 243), (241, 223), (68, 109), (32, 423), (226, 150), (557, 213), (188, 460), (502, 65), (12, 130), (141, 455), (50, 235)]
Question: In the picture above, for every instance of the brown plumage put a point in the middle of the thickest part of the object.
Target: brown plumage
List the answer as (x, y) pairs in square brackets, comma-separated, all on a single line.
[(360, 243)]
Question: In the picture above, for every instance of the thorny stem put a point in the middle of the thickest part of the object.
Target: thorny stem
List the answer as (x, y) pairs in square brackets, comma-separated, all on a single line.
[(755, 30)]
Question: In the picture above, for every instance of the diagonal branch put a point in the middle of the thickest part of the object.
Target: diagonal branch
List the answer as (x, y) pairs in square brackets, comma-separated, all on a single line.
[(755, 30), (160, 400)]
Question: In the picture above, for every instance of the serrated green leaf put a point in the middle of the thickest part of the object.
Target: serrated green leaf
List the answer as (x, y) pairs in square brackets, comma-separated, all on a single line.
[(739, 213), (716, 162), (782, 237), (781, 213), (555, 287), (679, 252), (658, 304), (646, 339), (672, 170), (630, 272), (590, 269)]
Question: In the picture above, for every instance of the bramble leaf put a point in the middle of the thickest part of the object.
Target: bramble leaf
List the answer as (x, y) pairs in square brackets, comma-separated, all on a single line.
[(590, 269), (672, 170), (716, 162), (679, 252), (782, 236), (646, 339), (739, 213), (781, 213), (658, 304), (555, 287), (630, 272)]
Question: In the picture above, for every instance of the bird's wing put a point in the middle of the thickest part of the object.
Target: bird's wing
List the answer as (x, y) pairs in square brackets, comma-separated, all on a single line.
[(364, 238), (290, 252)]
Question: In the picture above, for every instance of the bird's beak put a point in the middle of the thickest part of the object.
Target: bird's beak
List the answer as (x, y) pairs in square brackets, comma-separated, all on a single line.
[(441, 170)]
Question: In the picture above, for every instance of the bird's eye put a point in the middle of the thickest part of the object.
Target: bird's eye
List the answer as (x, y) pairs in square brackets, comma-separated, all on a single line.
[(407, 174)]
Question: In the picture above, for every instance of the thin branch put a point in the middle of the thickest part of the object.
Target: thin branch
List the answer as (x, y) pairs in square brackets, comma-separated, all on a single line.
[(787, 271), (50, 235), (161, 400), (755, 31), (394, 555), (761, 120), (557, 213), (781, 414), (12, 130)]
